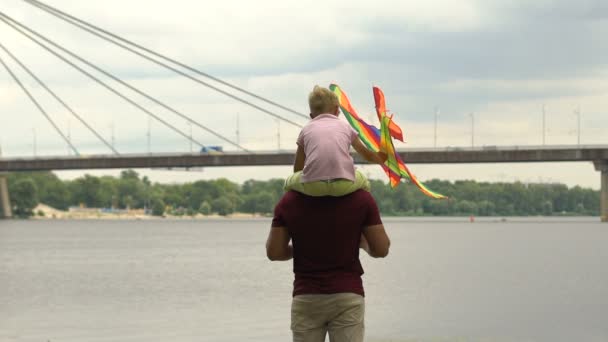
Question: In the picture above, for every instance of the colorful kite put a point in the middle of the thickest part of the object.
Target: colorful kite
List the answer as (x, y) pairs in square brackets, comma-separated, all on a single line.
[(381, 139)]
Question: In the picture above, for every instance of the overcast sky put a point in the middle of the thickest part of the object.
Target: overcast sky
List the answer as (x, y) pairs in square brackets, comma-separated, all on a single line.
[(501, 60)]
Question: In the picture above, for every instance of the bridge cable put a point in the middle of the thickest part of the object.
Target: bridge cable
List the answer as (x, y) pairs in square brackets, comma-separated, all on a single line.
[(149, 97), (82, 23), (4, 17), (46, 115), (43, 85)]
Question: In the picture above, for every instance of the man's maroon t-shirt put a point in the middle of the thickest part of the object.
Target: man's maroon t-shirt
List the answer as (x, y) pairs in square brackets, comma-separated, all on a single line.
[(325, 233)]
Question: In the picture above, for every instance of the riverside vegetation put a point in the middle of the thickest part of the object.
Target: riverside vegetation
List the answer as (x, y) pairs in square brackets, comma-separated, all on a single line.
[(224, 197)]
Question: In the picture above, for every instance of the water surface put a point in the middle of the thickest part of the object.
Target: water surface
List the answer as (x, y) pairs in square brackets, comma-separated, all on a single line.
[(445, 280)]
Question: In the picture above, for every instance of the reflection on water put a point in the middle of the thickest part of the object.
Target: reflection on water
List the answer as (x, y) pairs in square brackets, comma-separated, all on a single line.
[(445, 280)]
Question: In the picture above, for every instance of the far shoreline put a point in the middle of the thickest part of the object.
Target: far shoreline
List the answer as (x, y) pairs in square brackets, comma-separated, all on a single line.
[(97, 214), (49, 213)]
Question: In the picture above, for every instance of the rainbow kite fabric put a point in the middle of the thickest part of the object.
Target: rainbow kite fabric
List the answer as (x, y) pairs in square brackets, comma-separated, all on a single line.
[(381, 111), (381, 139)]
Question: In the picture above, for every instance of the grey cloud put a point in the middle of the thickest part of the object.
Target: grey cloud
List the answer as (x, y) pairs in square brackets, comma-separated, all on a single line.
[(525, 43), (516, 42), (553, 10), (517, 51), (551, 41)]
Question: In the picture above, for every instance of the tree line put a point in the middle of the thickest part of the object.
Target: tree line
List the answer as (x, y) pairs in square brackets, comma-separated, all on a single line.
[(224, 197)]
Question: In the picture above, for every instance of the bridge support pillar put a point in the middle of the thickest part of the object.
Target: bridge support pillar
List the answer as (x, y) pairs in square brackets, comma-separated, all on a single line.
[(5, 203), (602, 167)]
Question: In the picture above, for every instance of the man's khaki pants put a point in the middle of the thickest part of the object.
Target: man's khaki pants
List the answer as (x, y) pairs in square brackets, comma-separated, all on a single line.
[(340, 315)]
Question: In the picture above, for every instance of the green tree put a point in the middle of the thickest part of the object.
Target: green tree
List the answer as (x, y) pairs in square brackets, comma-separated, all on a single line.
[(264, 202), (24, 197), (222, 205), (547, 208), (247, 203), (128, 202), (205, 208), (131, 190), (57, 195), (158, 206), (436, 208), (172, 195), (486, 208), (466, 207), (51, 190), (86, 190), (108, 192), (224, 196)]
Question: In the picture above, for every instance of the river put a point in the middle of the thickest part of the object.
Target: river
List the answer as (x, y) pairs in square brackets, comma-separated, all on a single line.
[(209, 280)]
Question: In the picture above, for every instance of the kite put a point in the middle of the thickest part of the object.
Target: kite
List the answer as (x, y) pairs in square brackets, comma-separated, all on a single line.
[(381, 139)]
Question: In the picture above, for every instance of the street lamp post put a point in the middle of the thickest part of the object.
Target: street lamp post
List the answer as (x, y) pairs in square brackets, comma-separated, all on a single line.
[(149, 134), (238, 133), (544, 125), (435, 128), (278, 135), (112, 136), (577, 112), (69, 136), (472, 115), (35, 142), (190, 128)]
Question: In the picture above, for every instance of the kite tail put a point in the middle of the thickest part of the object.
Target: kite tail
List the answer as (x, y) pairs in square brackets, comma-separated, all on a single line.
[(395, 164), (421, 186)]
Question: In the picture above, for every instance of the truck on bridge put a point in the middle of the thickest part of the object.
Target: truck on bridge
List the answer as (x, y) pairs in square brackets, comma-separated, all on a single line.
[(215, 148)]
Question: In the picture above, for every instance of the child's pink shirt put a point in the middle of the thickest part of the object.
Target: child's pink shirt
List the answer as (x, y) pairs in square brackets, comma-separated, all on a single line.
[(326, 141)]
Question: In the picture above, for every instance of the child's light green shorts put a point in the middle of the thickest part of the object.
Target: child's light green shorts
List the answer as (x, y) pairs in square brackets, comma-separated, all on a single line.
[(336, 188)]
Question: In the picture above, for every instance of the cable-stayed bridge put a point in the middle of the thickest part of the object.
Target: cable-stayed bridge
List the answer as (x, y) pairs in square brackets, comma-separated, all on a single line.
[(244, 156)]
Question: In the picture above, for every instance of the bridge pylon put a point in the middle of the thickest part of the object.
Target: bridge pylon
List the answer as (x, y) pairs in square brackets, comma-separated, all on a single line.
[(5, 203), (602, 167)]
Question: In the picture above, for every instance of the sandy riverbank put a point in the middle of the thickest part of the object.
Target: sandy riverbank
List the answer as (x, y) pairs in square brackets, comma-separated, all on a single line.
[(50, 213)]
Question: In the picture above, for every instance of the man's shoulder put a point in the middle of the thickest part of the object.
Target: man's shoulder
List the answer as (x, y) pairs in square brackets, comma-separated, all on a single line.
[(290, 197), (357, 196), (362, 196)]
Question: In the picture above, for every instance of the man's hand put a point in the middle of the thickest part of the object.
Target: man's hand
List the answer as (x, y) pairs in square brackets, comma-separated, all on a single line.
[(363, 244), (369, 155), (382, 157)]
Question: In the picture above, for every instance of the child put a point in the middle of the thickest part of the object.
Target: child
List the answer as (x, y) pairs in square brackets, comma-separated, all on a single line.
[(323, 155)]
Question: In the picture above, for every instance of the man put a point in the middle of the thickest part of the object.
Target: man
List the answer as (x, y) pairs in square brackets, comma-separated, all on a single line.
[(326, 234)]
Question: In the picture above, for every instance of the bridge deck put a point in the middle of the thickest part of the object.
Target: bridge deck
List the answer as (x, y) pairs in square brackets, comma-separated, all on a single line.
[(488, 154)]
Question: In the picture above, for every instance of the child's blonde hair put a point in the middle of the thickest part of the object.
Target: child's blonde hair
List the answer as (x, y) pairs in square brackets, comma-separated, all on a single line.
[(322, 100)]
